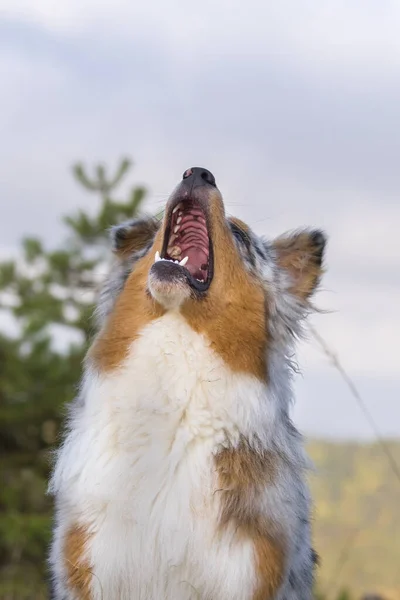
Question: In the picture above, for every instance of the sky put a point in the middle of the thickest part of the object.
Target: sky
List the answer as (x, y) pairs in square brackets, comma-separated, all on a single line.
[(293, 105)]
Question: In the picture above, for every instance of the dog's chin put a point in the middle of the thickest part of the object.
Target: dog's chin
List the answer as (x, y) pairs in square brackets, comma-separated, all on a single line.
[(168, 284)]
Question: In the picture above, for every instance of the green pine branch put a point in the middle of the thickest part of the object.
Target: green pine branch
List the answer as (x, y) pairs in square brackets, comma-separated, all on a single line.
[(46, 290)]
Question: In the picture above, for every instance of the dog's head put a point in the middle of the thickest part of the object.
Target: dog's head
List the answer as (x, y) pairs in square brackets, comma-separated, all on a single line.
[(244, 292)]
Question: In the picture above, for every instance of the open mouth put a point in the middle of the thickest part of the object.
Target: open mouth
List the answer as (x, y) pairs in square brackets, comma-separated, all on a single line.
[(187, 243)]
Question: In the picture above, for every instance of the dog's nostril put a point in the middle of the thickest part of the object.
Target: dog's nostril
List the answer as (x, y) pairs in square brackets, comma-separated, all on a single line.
[(208, 177)]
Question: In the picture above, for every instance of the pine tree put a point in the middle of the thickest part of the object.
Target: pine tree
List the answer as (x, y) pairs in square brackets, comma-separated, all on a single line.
[(50, 295)]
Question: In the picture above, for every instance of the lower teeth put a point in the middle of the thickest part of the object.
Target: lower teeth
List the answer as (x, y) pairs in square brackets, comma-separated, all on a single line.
[(178, 261), (182, 262)]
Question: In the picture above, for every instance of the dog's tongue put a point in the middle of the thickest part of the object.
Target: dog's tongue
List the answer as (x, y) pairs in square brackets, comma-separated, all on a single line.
[(197, 263)]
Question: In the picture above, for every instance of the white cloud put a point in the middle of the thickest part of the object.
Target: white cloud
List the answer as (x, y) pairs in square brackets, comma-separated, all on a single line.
[(326, 407), (334, 32), (363, 332)]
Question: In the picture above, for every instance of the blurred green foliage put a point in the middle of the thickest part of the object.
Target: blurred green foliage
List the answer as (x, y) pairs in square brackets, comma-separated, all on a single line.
[(48, 294)]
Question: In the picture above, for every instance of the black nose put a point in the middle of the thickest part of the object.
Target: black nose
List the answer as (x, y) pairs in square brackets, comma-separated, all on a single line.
[(199, 176)]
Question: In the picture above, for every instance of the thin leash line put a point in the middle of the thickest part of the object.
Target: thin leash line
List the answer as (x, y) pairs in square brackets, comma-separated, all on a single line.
[(345, 553), (356, 394)]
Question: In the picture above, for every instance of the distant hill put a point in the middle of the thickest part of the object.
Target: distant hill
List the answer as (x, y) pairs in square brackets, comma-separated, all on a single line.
[(357, 517)]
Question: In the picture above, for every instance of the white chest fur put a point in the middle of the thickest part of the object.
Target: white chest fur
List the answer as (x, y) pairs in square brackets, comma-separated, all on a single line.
[(137, 469)]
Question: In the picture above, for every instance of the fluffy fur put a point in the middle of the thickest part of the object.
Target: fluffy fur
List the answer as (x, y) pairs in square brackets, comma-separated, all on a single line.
[(181, 475)]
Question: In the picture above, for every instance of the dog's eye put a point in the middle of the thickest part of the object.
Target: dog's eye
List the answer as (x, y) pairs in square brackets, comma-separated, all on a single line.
[(239, 234)]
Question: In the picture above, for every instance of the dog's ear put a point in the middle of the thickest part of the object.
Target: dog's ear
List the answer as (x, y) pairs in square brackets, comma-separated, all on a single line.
[(133, 236), (301, 255)]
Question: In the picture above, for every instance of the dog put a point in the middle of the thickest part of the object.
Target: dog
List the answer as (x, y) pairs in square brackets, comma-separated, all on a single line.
[(181, 475)]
